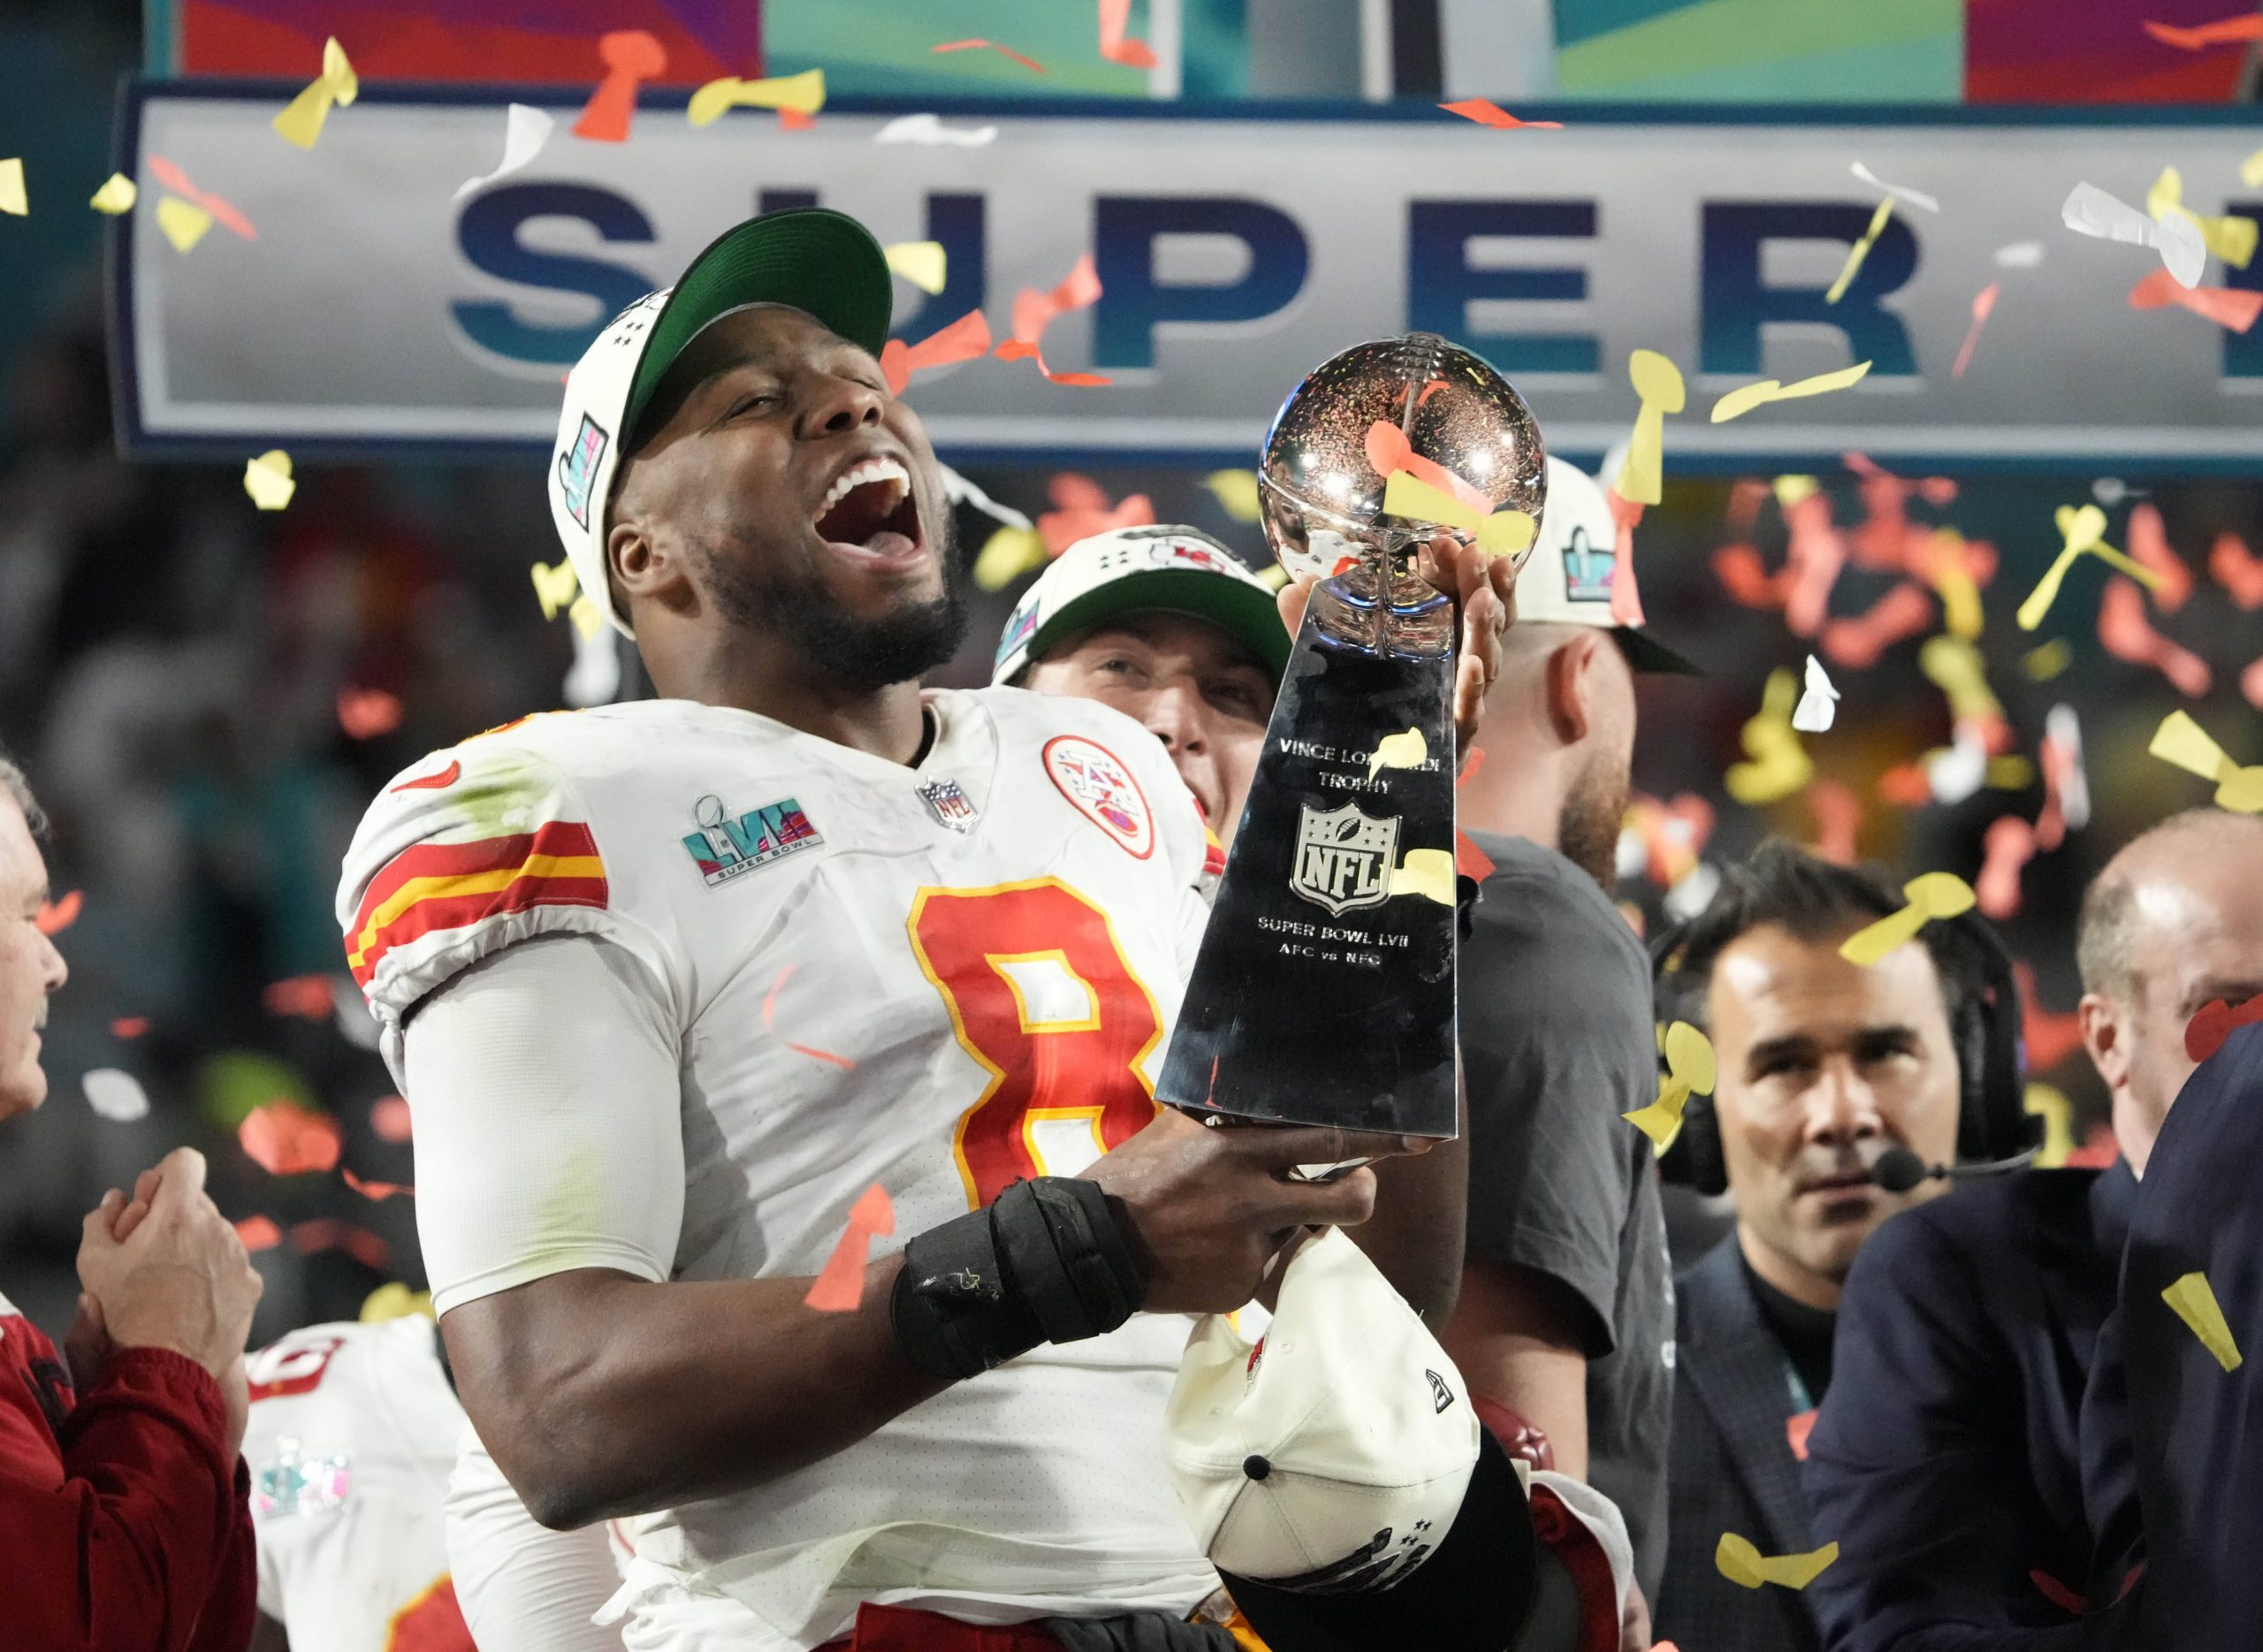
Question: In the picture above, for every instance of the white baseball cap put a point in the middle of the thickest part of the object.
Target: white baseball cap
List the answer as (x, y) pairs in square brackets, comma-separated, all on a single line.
[(1337, 1475), (1133, 570), (811, 259), (1566, 579)]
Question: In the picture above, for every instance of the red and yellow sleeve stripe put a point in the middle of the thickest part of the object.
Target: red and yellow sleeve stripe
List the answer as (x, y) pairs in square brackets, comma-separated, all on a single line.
[(452, 886), (1214, 853)]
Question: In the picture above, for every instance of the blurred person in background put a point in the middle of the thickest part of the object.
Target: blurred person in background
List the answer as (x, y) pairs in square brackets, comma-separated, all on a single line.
[(1563, 1326), (1822, 1065), (122, 1496), (1948, 1461)]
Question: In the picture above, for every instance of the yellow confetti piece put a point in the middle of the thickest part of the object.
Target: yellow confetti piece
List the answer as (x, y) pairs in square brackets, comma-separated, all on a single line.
[(1779, 764), (1274, 575), (1745, 398), (183, 222), (116, 197), (2251, 171), (2083, 532), (1738, 1561), (1931, 895), (920, 263), (1859, 251), (2010, 774), (2195, 1303), (13, 198), (1408, 750), (1502, 533), (803, 92), (268, 480), (2184, 742), (1689, 1057), (588, 619), (1661, 1121), (1006, 556), (2048, 659), (1657, 381), (1427, 872), (1791, 490), (1955, 666), (555, 587), (394, 1301), (301, 120), (2057, 1113), (1689, 1067), (2230, 238), (1960, 592), (1235, 492)]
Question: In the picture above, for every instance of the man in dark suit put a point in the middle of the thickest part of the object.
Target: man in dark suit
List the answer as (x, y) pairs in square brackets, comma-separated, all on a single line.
[(1823, 1065)]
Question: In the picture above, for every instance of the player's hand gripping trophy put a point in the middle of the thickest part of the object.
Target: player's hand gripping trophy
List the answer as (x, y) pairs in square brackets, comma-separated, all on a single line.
[(1324, 991)]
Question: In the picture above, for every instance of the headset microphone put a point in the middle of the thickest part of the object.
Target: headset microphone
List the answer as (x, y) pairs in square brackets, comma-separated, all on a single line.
[(1898, 1169)]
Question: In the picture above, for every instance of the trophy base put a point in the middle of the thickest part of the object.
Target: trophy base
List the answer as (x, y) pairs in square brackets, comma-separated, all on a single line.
[(1324, 990)]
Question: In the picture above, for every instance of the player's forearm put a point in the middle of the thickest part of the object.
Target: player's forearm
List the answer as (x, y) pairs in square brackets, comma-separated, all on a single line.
[(1415, 1238), (600, 1395)]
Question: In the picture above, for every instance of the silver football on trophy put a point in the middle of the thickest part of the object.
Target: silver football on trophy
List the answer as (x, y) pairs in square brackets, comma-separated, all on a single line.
[(1416, 403)]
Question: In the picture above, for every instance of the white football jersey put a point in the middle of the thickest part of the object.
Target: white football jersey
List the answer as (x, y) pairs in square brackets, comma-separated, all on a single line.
[(937, 979), (352, 1435)]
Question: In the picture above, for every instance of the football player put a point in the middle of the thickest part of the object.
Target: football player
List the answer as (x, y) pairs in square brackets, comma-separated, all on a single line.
[(671, 987)]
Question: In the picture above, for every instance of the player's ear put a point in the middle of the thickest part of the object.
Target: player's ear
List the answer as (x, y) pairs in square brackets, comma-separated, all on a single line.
[(1571, 685), (638, 563)]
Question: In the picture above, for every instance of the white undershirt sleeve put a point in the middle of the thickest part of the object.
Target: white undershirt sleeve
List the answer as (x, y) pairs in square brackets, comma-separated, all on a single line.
[(543, 1083)]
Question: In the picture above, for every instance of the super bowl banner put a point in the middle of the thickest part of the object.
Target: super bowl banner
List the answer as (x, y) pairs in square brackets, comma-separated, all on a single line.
[(373, 308)]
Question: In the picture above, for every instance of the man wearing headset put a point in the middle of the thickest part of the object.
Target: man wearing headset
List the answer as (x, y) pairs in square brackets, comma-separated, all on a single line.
[(1823, 1067)]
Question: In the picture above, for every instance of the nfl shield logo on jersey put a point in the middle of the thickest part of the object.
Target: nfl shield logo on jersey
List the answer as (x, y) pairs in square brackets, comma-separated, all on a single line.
[(726, 846), (1344, 858), (950, 806)]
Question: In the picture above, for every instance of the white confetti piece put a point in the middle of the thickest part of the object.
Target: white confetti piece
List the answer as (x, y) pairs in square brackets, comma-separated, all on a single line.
[(929, 130), (1818, 702), (525, 130), (116, 1095), (1915, 197)]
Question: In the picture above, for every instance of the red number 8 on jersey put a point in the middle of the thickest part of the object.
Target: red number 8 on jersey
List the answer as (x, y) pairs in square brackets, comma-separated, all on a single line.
[(1041, 995)]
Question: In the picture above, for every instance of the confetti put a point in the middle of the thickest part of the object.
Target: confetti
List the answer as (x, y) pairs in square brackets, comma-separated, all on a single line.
[(116, 1095), (1984, 305), (1950, 571), (964, 340), (585, 618), (1745, 398), (630, 57), (1838, 814), (1931, 894), (1115, 20), (389, 1119), (1915, 197), (307, 995), (2231, 239), (224, 212), (2018, 256), (525, 130), (12, 197), (930, 131), (794, 120), (283, 1138), (769, 1013), (302, 121), (1779, 765), (1081, 509), (2049, 1035), (54, 917), (1626, 595), (1407, 750), (184, 222), (1860, 251), (2239, 570), (2081, 530), (378, 1190), (394, 1300), (1657, 381), (116, 197), (2007, 846), (258, 1233), (839, 1287), (2149, 545), (1499, 533), (1957, 770), (1034, 311), (922, 263), (1235, 492), (1858, 641), (802, 93), (2047, 660), (2224, 32), (2251, 684), (2090, 210), (1819, 701), (2206, 1032), (2066, 781), (2127, 634), (2049, 1104), (1469, 861), (1490, 114), (1389, 451), (268, 480), (1689, 1066), (366, 713), (1953, 665), (555, 587), (1007, 555), (2183, 742), (2195, 1304), (1031, 64), (1427, 872), (2234, 307), (1738, 1561), (129, 1026), (326, 1233)]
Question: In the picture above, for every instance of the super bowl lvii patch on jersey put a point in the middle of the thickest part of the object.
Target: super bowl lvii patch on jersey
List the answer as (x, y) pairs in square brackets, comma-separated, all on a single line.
[(727, 845)]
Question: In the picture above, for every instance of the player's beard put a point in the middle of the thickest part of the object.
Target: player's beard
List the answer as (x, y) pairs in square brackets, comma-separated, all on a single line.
[(1587, 831), (860, 655)]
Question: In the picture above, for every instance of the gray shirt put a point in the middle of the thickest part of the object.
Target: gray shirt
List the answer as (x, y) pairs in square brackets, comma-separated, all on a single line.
[(1557, 1043)]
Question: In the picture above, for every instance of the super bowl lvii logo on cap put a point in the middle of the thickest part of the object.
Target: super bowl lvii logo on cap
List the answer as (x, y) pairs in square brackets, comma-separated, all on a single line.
[(1587, 568), (578, 467)]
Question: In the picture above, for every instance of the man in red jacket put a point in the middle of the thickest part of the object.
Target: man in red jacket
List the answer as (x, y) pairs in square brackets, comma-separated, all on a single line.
[(125, 1519)]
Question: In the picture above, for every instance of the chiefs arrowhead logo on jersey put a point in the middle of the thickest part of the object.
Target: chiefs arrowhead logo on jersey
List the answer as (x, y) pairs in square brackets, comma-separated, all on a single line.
[(1100, 786)]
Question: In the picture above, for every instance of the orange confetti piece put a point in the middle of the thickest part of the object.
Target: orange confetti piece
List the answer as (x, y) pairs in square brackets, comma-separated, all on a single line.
[(1858, 641), (2229, 31), (376, 1189), (259, 1233), (1115, 20), (769, 1016), (308, 995), (2235, 308), (1796, 1430), (839, 1287), (2007, 845), (990, 45), (1486, 113), (1815, 553), (1626, 595), (129, 1026), (2251, 684), (2149, 547), (2206, 1032), (389, 1119), (54, 917), (631, 57), (224, 213), (366, 713), (795, 120), (1838, 814), (2049, 1035), (1905, 785), (1983, 305), (2127, 634), (1082, 508), (283, 1139), (327, 1233), (1746, 577), (2239, 570), (1389, 451), (1469, 861), (1034, 311)]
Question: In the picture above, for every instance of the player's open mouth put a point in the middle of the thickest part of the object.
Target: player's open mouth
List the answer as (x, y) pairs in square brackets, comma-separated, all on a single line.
[(870, 511)]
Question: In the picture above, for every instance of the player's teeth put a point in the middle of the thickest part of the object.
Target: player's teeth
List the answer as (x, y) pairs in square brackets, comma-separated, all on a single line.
[(870, 470)]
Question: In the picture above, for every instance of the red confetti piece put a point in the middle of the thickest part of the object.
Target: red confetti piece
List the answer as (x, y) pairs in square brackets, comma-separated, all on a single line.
[(1796, 1430), (259, 1233), (1905, 785), (1115, 18), (630, 57), (308, 995), (1082, 508), (839, 1285), (795, 120), (2224, 32), (1838, 814), (376, 1189), (1486, 113), (1983, 305), (1818, 551), (990, 45), (964, 340), (2050, 1035), (1858, 642), (2048, 1587), (224, 213), (2239, 570), (1019, 349), (769, 1015), (389, 1119), (129, 1026), (1034, 311), (365, 714), (2149, 547), (2007, 845), (2228, 307), (327, 1233), (283, 1138), (1626, 597), (1389, 451), (54, 917), (2127, 634), (2098, 1152), (1469, 861), (2251, 684), (2206, 1032), (1745, 578)]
